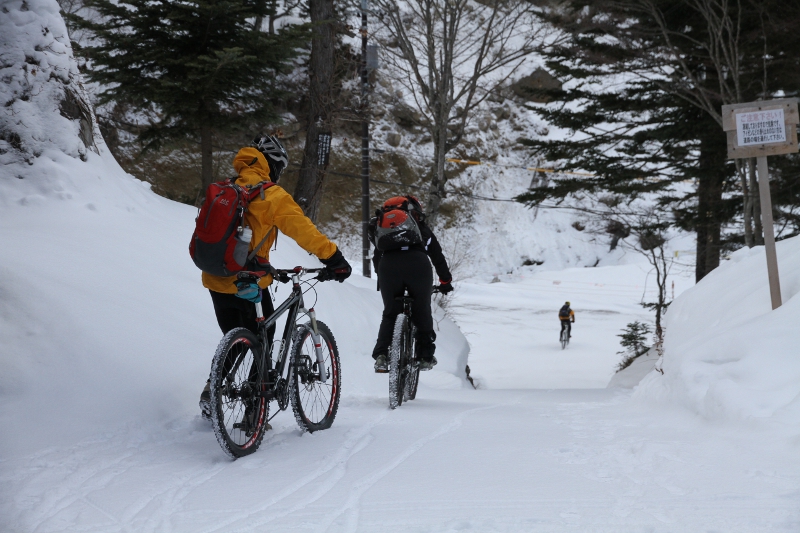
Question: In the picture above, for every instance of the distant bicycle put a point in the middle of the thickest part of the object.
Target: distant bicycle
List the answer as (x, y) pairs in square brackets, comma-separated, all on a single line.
[(403, 363), (245, 378), (564, 337)]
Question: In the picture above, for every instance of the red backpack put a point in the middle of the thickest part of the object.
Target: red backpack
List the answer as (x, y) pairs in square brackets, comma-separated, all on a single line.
[(398, 223), (218, 246)]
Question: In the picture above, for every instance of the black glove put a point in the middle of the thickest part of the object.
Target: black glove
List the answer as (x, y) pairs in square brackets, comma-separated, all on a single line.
[(336, 267), (445, 288)]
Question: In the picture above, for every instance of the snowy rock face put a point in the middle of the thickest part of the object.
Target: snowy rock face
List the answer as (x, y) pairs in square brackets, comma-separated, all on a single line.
[(727, 354), (42, 102)]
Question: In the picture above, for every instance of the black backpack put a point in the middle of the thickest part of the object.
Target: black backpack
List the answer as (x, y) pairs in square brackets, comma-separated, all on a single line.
[(564, 312), (397, 224)]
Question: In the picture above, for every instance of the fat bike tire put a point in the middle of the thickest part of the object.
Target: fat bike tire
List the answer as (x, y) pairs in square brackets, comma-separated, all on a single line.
[(314, 402), (399, 360), (239, 412), (412, 381)]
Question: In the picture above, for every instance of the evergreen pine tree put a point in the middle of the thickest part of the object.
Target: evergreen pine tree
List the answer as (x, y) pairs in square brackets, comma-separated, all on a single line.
[(646, 108), (634, 337), (190, 69)]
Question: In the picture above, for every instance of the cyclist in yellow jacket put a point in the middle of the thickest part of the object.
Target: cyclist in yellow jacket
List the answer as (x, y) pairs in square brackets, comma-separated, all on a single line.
[(567, 317), (234, 305)]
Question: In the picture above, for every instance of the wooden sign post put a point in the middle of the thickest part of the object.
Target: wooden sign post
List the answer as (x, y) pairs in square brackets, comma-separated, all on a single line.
[(760, 129)]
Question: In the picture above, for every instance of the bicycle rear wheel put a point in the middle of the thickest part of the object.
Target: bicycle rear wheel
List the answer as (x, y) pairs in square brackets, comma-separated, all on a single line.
[(412, 381), (314, 402), (399, 358), (564, 338), (239, 411)]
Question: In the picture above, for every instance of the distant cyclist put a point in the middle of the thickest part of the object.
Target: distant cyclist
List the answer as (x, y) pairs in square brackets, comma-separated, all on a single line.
[(567, 317), (403, 245)]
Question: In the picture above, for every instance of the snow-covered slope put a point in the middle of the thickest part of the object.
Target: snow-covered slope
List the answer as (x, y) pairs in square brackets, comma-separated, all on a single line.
[(727, 354), (103, 317)]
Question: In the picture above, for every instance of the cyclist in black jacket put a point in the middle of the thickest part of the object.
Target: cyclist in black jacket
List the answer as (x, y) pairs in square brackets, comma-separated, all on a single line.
[(409, 267)]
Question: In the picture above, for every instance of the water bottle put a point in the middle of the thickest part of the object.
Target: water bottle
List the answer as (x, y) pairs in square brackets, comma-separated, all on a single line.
[(242, 247), (245, 234)]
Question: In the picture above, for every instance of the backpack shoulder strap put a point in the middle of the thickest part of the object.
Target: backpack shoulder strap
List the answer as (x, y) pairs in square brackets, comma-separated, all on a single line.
[(252, 254), (259, 189), (263, 186)]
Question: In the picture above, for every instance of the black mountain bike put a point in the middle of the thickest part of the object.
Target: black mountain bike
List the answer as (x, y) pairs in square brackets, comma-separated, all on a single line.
[(564, 337), (403, 363), (245, 378)]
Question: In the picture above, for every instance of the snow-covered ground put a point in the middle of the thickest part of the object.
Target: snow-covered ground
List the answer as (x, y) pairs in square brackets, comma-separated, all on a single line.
[(452, 461), (107, 338), (107, 341)]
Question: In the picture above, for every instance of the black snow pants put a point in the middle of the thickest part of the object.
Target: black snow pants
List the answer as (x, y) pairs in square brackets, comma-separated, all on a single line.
[(233, 312), (399, 270)]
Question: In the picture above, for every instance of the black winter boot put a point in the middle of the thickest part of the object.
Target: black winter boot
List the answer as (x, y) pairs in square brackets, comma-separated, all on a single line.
[(426, 349)]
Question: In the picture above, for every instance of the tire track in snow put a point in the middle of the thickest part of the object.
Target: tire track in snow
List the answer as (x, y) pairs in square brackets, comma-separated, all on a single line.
[(179, 489), (361, 438), (353, 503), (91, 477), (183, 487)]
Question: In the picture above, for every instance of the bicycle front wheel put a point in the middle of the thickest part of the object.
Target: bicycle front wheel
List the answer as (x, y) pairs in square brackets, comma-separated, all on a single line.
[(315, 402), (399, 360), (239, 410)]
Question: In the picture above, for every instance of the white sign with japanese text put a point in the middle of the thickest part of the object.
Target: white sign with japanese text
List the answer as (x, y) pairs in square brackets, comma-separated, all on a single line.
[(760, 127)]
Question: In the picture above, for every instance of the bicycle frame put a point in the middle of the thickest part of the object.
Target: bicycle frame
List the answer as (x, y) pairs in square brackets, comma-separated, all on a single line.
[(294, 305)]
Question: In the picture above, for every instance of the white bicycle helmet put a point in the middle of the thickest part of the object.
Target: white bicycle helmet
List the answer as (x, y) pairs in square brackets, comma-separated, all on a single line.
[(274, 152)]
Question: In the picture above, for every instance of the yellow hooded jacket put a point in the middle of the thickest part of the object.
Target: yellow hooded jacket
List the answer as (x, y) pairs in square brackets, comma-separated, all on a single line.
[(277, 209)]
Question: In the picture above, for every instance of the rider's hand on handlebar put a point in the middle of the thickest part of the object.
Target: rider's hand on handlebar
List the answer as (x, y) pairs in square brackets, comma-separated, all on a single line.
[(445, 288), (336, 267)]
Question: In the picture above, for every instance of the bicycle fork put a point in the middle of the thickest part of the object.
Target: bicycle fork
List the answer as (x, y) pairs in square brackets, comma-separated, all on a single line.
[(315, 336)]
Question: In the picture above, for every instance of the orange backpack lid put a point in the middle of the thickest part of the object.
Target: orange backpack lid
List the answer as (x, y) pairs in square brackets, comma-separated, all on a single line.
[(396, 202), (393, 218)]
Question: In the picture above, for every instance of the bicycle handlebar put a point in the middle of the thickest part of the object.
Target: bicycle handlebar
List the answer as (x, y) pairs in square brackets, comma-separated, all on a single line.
[(279, 274)]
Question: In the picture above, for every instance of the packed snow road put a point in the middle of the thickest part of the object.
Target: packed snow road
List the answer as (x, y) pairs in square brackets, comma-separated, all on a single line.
[(455, 460), (513, 328)]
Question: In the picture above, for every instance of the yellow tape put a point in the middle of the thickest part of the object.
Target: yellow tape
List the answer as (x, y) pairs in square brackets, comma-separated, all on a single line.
[(532, 169)]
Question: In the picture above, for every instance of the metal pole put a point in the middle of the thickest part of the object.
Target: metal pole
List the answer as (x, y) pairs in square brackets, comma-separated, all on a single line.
[(367, 270), (769, 232)]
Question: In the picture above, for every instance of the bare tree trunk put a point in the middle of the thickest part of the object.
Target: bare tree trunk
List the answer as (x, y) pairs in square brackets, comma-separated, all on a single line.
[(308, 193), (206, 155), (436, 191), (710, 179), (659, 262), (758, 231), (747, 204)]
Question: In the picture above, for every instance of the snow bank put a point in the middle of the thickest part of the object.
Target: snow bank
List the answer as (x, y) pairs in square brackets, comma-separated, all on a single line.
[(726, 353), (42, 102)]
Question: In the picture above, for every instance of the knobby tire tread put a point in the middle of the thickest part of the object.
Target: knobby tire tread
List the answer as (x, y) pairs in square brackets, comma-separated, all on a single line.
[(232, 339), (303, 421), (396, 355)]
